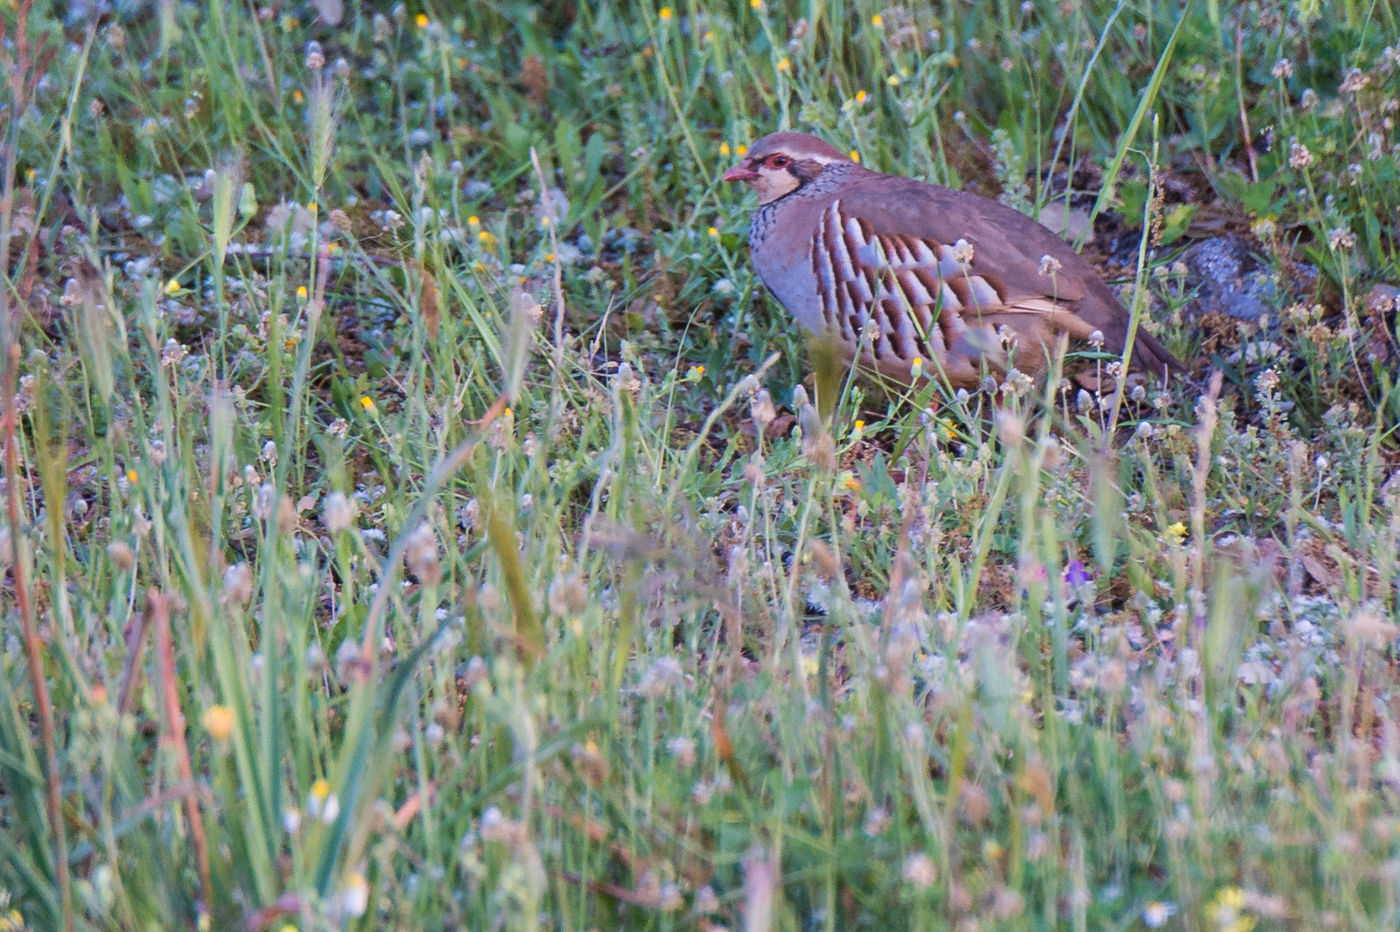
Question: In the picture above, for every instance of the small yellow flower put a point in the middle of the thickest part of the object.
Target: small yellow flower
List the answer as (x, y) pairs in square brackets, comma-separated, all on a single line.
[(172, 286), (713, 232), (741, 150), (694, 373), (892, 80), (367, 402), (354, 896), (312, 208), (1228, 897), (218, 720), (1176, 533), (991, 850), (860, 97), (290, 343), (473, 221), (298, 96), (855, 156), (1228, 911), (664, 14), (648, 51), (301, 292), (289, 23), (857, 430), (916, 369), (756, 4), (849, 481), (131, 475), (288, 928), (321, 803), (784, 65), (332, 248), (724, 148), (877, 21), (422, 21), (486, 238)]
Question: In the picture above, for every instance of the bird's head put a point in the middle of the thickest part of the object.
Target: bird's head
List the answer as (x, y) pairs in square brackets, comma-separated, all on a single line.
[(780, 163)]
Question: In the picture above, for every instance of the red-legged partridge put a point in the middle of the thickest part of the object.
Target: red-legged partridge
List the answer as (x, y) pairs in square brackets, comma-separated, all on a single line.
[(902, 271)]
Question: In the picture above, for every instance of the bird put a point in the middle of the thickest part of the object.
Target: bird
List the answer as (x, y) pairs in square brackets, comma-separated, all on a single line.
[(914, 278)]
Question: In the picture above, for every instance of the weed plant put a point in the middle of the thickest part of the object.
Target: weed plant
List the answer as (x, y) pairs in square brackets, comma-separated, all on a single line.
[(417, 516)]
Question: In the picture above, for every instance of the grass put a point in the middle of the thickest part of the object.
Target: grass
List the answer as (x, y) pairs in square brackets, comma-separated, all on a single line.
[(416, 516)]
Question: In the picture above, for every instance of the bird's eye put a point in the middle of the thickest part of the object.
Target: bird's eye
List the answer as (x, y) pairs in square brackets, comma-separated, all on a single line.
[(779, 161)]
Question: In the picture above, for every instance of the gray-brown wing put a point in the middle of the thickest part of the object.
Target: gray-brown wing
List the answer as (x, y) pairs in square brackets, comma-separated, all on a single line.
[(1008, 250), (900, 298)]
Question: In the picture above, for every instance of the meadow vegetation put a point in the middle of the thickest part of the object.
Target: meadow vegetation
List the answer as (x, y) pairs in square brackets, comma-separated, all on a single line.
[(418, 517)]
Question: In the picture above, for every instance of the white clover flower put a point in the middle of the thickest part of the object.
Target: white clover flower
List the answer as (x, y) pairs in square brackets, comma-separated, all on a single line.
[(1156, 914), (920, 871), (876, 822), (683, 750), (238, 584), (337, 513), (173, 352), (1355, 80), (662, 675)]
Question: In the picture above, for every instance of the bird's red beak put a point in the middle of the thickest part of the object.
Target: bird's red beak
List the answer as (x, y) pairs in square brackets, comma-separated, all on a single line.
[(740, 172)]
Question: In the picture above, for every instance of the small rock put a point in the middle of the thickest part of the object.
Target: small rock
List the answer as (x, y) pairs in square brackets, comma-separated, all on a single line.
[(1229, 277)]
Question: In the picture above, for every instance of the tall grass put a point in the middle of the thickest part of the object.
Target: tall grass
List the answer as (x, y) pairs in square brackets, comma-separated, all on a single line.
[(417, 516)]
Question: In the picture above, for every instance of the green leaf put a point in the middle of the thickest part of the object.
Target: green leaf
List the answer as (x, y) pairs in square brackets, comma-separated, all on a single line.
[(1257, 196), (1132, 197), (1177, 221)]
